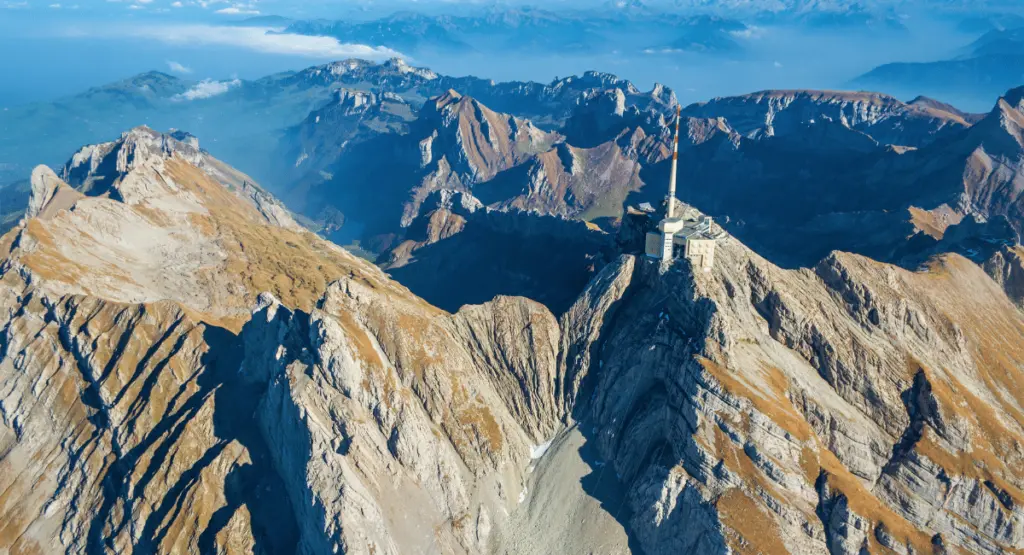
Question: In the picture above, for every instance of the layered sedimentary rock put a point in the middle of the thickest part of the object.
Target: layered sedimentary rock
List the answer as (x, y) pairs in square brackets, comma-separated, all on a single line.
[(136, 424), (853, 406), (879, 116), (325, 408)]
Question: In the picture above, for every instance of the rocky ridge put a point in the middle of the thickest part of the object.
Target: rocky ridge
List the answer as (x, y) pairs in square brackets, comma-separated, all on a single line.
[(802, 411), (148, 426), (850, 406), (883, 118), (152, 217)]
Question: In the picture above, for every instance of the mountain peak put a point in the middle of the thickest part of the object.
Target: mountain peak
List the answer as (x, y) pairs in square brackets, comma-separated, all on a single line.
[(401, 66), (1015, 98), (451, 96), (45, 189), (98, 169), (150, 201)]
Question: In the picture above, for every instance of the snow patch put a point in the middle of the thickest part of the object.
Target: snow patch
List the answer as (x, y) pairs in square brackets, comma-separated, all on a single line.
[(537, 451)]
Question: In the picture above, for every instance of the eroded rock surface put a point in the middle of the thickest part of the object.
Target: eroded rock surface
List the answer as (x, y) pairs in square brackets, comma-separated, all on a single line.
[(833, 409), (296, 399)]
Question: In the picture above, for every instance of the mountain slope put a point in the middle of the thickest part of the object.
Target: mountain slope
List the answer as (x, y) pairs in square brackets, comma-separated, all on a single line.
[(974, 172), (153, 217), (800, 411), (133, 423), (883, 118), (459, 144), (851, 406)]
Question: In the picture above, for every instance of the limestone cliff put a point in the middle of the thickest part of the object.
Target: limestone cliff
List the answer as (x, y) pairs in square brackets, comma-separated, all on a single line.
[(141, 416), (184, 370), (853, 406)]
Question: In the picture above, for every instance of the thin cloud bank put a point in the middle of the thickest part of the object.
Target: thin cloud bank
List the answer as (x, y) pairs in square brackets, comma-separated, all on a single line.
[(178, 68), (259, 39), (235, 10), (207, 89)]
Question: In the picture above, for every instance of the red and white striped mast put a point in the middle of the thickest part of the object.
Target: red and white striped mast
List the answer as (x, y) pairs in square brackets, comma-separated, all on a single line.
[(675, 164)]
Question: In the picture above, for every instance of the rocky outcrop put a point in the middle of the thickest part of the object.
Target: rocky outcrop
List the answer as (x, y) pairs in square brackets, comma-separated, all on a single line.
[(402, 428), (152, 218), (800, 411), (881, 117), (123, 430), (848, 407), (1006, 267), (366, 422)]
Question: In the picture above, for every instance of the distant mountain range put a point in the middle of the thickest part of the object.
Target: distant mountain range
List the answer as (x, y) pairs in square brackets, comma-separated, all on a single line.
[(363, 152), (187, 370), (616, 26), (988, 66), (535, 30)]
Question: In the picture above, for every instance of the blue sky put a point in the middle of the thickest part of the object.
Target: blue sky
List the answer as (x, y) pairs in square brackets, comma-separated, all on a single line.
[(66, 46), (76, 44), (210, 9)]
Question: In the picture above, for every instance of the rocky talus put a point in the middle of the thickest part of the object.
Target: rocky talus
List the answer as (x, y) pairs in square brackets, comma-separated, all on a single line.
[(296, 399)]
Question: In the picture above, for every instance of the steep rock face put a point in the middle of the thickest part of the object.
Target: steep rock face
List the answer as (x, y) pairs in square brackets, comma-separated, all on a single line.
[(774, 410), (402, 428), (122, 430), (468, 143), (882, 117), (975, 172), (352, 117), (459, 252), (372, 423), (1006, 267)]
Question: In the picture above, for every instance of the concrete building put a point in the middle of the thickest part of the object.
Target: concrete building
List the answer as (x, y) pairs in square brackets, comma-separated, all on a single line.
[(691, 234)]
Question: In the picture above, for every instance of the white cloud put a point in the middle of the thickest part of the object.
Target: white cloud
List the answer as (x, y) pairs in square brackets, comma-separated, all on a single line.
[(176, 4), (207, 89), (178, 68), (750, 33), (55, 6), (259, 39), (235, 10)]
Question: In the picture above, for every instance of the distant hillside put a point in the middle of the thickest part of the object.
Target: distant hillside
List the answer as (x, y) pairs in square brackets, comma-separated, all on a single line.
[(988, 66)]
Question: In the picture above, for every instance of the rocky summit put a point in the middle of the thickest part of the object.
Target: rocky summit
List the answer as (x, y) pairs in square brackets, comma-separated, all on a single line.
[(184, 369)]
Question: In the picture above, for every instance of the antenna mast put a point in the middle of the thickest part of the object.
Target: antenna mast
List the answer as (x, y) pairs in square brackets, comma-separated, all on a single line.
[(675, 164)]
